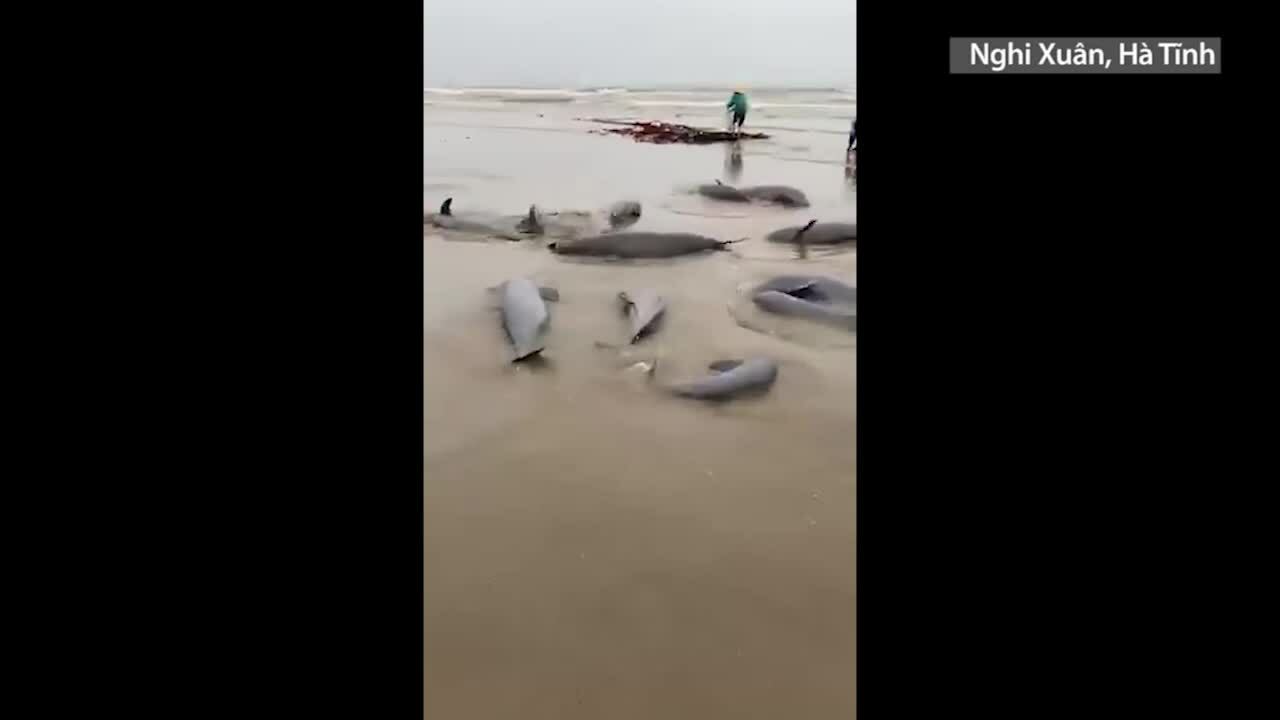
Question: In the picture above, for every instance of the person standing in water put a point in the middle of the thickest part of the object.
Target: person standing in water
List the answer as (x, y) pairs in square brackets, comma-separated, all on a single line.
[(738, 106), (851, 154)]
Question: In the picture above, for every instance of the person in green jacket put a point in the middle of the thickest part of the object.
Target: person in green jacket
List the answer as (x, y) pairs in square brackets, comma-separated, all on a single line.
[(738, 105)]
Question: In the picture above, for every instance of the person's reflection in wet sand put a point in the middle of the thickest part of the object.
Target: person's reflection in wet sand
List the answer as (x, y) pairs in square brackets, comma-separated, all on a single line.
[(851, 169), (733, 161)]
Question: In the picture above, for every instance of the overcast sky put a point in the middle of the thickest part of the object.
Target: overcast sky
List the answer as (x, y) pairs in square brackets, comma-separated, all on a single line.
[(599, 43)]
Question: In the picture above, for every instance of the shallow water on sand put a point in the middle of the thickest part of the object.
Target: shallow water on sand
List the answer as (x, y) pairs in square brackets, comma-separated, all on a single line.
[(595, 547)]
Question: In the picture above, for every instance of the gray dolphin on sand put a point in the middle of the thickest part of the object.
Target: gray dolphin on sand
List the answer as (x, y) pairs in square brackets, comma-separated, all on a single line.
[(525, 316), (784, 195), (729, 379), (643, 307), (780, 194), (816, 298), (816, 233), (639, 245), (811, 287), (513, 227), (720, 191)]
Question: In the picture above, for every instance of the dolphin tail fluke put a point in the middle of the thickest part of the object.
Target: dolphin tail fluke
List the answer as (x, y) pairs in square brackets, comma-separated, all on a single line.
[(724, 244)]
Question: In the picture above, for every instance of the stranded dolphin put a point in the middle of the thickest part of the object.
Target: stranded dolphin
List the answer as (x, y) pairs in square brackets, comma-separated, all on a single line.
[(781, 194), (720, 191), (639, 245), (525, 316), (811, 287), (815, 298), (816, 233), (509, 227), (730, 378)]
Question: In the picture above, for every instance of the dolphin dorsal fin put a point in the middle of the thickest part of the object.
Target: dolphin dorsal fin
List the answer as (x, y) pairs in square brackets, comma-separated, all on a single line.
[(805, 229)]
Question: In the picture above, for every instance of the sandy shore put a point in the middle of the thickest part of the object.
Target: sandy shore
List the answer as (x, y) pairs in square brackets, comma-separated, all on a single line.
[(596, 549)]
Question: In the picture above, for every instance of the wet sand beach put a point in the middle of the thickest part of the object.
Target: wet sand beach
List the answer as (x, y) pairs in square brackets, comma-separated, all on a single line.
[(596, 548)]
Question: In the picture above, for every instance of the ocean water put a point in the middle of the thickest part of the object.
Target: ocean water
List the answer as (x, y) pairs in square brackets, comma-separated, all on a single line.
[(820, 110)]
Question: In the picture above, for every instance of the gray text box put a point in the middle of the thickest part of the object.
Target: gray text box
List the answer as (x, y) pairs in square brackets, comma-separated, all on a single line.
[(1089, 56)]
